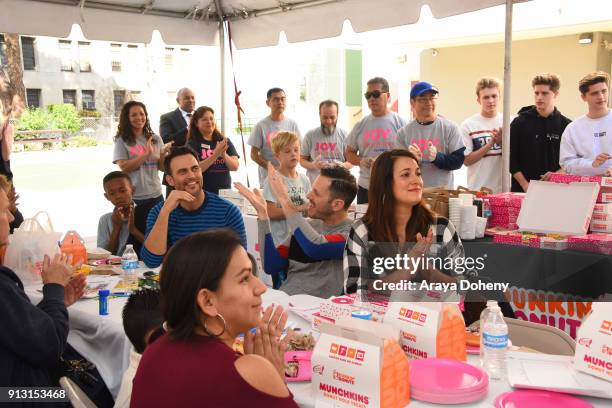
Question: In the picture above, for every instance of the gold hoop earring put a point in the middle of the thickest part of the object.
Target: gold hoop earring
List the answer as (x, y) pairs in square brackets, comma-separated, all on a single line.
[(222, 331)]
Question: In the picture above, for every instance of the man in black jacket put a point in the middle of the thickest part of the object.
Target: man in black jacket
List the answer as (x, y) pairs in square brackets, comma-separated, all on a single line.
[(535, 135), (33, 338), (173, 126)]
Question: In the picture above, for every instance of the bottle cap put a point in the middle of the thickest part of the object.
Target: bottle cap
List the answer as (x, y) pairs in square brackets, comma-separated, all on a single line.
[(103, 292), (362, 314)]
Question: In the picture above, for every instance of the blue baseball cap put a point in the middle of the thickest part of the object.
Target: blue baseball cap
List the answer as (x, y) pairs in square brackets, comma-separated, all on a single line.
[(421, 87)]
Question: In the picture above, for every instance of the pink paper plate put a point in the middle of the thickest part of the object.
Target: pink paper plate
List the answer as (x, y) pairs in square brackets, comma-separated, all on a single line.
[(438, 398), (538, 399), (446, 377)]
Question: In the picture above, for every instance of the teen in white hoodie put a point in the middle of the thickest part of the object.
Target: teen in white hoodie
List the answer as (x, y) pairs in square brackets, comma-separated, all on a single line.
[(586, 144)]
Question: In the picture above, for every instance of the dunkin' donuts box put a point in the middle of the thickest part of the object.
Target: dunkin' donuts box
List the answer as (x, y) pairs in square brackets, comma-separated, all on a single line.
[(359, 363), (594, 342), (429, 329)]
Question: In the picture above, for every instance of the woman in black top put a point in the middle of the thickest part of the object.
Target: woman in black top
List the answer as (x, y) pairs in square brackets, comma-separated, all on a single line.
[(216, 152)]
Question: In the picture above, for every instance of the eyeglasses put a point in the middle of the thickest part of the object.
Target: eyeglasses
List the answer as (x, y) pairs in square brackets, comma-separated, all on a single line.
[(376, 94)]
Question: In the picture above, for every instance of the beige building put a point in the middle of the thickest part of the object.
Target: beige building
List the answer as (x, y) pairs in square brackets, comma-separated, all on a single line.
[(455, 70)]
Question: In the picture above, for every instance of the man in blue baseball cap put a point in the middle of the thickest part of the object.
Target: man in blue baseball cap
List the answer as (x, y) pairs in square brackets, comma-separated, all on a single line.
[(435, 140)]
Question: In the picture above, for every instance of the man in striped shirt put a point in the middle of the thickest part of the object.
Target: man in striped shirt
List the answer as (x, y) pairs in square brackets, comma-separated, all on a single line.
[(187, 209)]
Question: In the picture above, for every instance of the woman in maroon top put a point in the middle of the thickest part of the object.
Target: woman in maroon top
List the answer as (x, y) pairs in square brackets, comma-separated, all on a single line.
[(209, 295)]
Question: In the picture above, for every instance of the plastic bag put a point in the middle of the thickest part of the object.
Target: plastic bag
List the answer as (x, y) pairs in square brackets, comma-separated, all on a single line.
[(34, 239)]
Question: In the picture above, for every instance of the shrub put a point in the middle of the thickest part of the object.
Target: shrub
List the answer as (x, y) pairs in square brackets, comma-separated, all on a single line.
[(35, 119), (65, 117)]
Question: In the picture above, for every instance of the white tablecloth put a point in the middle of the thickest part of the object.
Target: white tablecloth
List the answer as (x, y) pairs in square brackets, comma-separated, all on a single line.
[(102, 341)]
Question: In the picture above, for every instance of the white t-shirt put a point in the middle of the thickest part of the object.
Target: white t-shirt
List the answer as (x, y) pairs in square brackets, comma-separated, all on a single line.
[(582, 141), (261, 137), (476, 131), (125, 392), (371, 136), (328, 148)]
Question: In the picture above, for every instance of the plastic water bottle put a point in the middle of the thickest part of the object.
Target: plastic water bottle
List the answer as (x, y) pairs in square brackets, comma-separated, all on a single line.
[(129, 264), (486, 209), (495, 343), (483, 317)]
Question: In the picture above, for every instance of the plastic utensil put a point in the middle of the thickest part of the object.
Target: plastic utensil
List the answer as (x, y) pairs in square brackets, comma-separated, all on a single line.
[(538, 399)]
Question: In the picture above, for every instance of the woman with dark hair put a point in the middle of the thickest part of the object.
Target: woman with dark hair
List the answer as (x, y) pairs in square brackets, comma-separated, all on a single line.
[(140, 153), (397, 221), (216, 153), (209, 295)]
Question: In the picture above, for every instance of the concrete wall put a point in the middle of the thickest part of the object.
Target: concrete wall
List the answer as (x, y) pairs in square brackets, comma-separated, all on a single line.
[(455, 71)]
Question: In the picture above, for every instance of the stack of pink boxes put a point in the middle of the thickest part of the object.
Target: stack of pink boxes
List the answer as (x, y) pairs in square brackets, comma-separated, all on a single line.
[(505, 209)]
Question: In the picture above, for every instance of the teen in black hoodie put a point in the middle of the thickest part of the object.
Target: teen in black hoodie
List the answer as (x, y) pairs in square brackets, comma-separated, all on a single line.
[(534, 143)]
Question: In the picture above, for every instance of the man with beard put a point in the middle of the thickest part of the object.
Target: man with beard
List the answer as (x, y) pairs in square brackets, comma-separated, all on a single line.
[(324, 145), (187, 209), (311, 259)]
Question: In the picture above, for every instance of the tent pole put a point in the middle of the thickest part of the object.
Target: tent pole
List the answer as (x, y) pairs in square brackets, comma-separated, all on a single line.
[(506, 177), (219, 8)]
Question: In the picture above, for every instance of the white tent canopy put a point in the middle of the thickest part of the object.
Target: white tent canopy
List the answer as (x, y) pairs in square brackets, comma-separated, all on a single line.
[(255, 23)]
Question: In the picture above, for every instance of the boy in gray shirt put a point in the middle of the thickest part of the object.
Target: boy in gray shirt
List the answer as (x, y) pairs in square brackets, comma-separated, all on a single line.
[(435, 140)]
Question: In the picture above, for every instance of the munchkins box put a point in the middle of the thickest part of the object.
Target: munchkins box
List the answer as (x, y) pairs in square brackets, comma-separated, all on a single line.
[(359, 363), (429, 329), (594, 345)]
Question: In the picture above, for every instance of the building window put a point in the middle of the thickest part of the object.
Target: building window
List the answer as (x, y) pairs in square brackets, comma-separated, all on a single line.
[(171, 98), (116, 57), (84, 56), (135, 96), (33, 98), (3, 57), (88, 99), (119, 100), (169, 59), (65, 51), (28, 54), (70, 96)]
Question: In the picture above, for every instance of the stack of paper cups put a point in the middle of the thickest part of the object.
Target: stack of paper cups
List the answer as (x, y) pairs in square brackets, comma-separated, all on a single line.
[(454, 211), (467, 229), (481, 226), (466, 198)]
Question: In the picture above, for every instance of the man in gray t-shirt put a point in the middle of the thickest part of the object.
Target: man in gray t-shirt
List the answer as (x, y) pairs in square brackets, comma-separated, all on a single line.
[(372, 135), (265, 130), (435, 140), (324, 145)]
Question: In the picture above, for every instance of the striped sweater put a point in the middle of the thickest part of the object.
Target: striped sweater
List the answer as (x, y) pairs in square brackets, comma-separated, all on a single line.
[(215, 212)]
